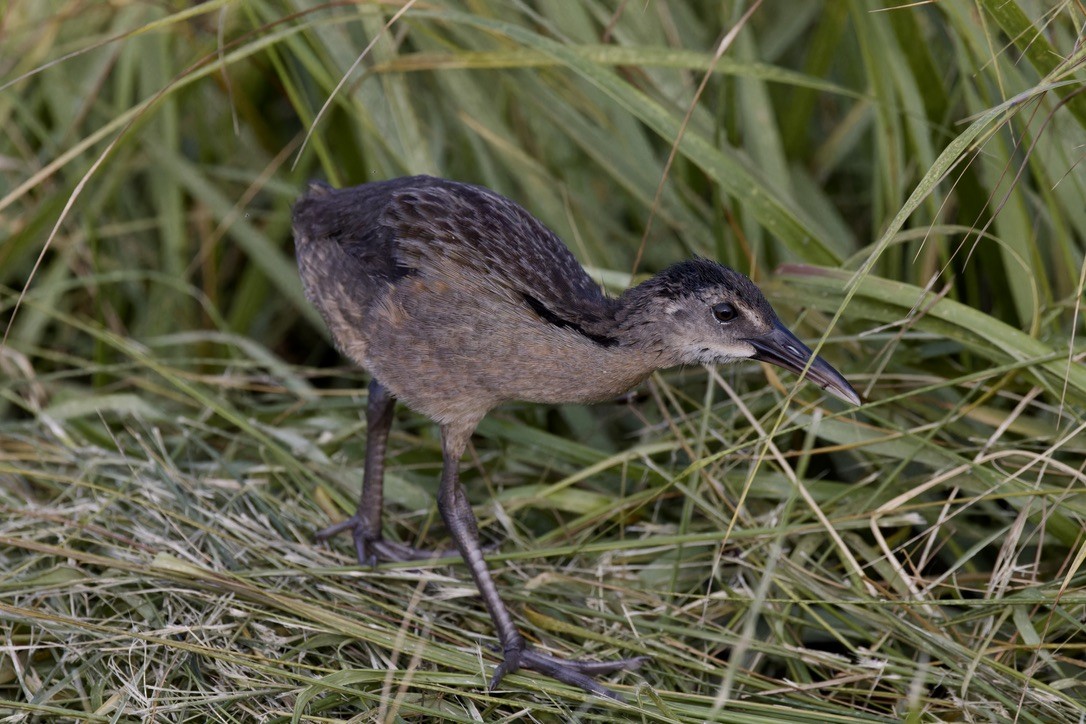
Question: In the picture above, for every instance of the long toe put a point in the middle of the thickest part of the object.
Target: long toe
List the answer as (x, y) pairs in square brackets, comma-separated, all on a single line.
[(371, 548), (392, 551), (592, 668), (363, 539), (333, 530), (568, 671)]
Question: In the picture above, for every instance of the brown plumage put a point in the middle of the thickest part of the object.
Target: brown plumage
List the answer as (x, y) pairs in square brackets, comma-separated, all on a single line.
[(456, 300)]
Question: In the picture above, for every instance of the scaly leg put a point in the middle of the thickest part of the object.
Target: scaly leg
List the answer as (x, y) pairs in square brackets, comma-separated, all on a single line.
[(365, 524), (453, 504)]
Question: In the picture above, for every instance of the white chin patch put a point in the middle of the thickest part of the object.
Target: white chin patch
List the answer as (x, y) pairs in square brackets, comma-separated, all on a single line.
[(722, 354)]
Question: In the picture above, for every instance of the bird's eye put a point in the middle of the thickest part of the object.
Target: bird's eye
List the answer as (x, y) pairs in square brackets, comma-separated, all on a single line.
[(724, 312)]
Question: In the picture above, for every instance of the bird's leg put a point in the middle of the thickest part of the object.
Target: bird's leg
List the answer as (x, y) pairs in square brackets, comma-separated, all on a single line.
[(365, 524), (455, 510)]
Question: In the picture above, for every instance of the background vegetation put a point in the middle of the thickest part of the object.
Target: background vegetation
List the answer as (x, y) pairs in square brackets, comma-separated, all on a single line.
[(174, 424)]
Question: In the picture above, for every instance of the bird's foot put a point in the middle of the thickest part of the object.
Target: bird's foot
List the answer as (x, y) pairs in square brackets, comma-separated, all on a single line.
[(371, 547), (568, 671)]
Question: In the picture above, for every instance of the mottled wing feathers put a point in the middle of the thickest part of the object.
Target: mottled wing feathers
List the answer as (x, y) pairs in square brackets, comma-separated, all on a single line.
[(499, 245)]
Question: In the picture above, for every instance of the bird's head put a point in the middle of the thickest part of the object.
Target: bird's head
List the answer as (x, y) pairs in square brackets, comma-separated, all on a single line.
[(702, 312)]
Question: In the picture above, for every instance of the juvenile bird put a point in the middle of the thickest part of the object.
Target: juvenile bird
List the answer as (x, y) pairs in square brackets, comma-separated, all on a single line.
[(456, 300)]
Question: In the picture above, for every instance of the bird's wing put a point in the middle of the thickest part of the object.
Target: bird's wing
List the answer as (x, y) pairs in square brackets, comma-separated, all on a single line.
[(444, 228)]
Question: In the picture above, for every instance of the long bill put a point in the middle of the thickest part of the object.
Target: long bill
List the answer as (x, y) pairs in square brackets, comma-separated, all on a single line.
[(782, 348)]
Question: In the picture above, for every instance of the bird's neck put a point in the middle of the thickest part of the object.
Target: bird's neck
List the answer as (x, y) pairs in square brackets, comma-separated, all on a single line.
[(640, 324)]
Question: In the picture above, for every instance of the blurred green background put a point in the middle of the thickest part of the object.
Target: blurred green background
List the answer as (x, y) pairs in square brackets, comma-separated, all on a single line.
[(906, 182)]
